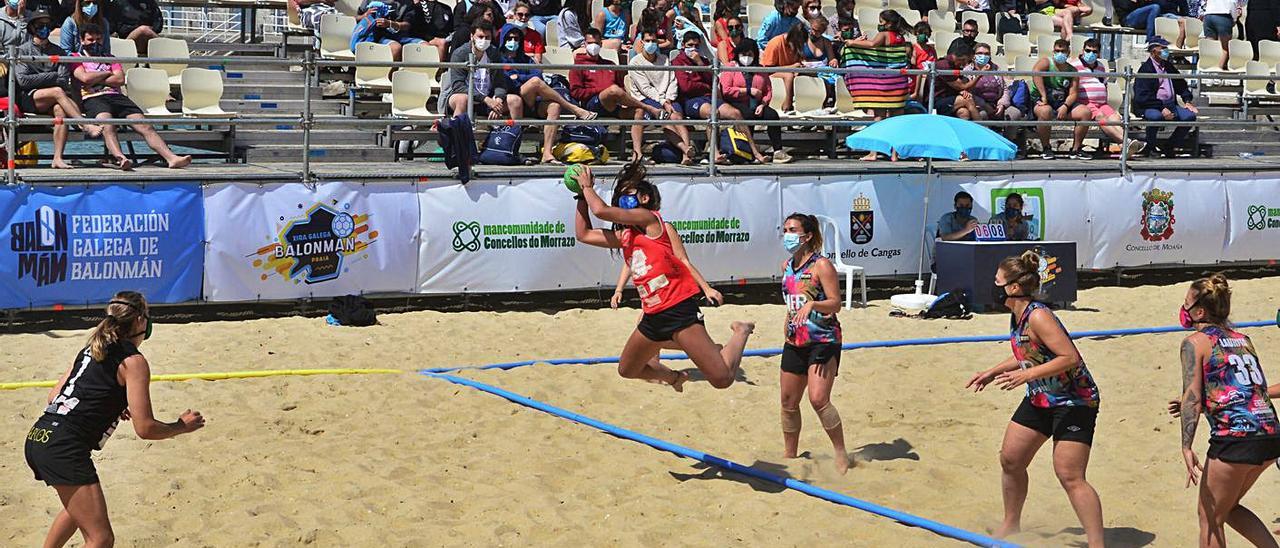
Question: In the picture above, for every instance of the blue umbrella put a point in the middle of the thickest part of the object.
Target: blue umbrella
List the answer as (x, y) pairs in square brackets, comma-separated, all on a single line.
[(932, 136)]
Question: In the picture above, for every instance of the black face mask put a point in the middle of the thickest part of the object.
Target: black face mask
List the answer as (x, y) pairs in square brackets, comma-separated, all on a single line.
[(146, 333), (998, 294)]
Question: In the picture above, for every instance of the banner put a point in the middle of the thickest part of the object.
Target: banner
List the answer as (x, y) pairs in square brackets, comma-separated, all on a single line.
[(878, 219), (731, 228), (1253, 207), (81, 245), (1148, 220), (284, 241), (496, 236)]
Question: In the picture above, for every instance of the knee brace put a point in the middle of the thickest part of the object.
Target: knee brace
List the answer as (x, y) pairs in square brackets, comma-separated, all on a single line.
[(790, 420), (829, 417)]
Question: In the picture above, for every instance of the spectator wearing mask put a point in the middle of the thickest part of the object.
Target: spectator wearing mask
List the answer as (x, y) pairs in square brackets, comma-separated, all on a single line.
[(87, 11), (1219, 22), (923, 56), (952, 95), (1141, 14), (889, 32), (543, 12), (1157, 98), (534, 44), (1093, 95), (490, 89), (467, 14), (783, 51), (958, 225), (601, 91), (573, 22), (1057, 97), (58, 11), (613, 23), (844, 12), (1017, 227), (987, 89), (387, 23), (47, 88), (735, 33), (724, 10), (686, 16), (968, 34), (655, 17), (750, 93), (656, 89), (694, 87), (137, 20), (778, 22), (13, 25), (100, 94), (536, 95)]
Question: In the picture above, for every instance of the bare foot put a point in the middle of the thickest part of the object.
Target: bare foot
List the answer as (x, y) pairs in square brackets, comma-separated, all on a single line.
[(870, 157), (58, 163), (1006, 530), (843, 463), (584, 114), (180, 162), (123, 164), (789, 455), (745, 327), (678, 383), (92, 131)]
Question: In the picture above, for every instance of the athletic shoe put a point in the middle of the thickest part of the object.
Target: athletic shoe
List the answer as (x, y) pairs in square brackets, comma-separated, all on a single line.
[(333, 88), (1135, 148), (1047, 155), (781, 157), (1081, 155)]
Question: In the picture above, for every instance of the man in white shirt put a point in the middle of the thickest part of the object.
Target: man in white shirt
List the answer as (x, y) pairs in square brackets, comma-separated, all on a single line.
[(657, 89)]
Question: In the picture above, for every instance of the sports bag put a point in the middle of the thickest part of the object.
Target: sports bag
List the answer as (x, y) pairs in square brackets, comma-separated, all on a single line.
[(502, 146)]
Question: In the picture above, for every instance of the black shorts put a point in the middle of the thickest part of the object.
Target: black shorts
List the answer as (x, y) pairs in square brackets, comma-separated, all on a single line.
[(1071, 423), (115, 104), (661, 326), (797, 359), (1245, 451), (58, 456), (945, 104), (27, 103)]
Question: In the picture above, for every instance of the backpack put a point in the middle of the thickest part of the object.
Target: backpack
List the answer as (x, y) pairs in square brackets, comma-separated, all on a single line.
[(578, 153), (353, 310), (458, 140), (1020, 95), (587, 135), (952, 305), (734, 145), (666, 153), (502, 146)]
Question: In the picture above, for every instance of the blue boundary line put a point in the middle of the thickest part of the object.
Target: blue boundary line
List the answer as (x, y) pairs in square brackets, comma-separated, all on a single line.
[(768, 352), (825, 494)]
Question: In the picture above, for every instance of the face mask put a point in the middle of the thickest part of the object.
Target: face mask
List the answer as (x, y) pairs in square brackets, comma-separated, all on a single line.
[(41, 32), (628, 201), (998, 294), (815, 12), (13, 4), (89, 10), (92, 50), (981, 60), (512, 45), (735, 32), (1184, 318), (1164, 55), (882, 28), (963, 211), (593, 50), (922, 39), (690, 52), (651, 47), (847, 34), (746, 60), (1059, 57), (1089, 57), (791, 242), (482, 44), (518, 24), (1012, 213)]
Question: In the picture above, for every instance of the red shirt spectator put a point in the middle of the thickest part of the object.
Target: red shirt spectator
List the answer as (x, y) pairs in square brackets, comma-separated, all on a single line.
[(691, 83), (587, 83), (533, 43)]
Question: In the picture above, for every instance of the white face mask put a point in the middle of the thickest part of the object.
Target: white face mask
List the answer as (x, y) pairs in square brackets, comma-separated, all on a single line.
[(746, 60), (518, 24), (593, 50), (482, 44)]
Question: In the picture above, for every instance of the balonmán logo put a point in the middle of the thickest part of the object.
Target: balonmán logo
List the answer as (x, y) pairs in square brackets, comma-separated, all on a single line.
[(314, 246), (1261, 217), (861, 220), (1157, 215), (41, 246), (1048, 269)]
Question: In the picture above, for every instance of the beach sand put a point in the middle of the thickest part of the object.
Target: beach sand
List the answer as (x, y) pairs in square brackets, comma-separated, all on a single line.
[(406, 460)]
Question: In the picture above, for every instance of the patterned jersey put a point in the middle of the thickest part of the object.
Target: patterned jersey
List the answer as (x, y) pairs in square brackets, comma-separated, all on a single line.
[(1235, 390), (1074, 387), (800, 286), (660, 278)]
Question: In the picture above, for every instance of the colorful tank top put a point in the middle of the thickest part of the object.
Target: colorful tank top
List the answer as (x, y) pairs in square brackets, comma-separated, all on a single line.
[(1072, 388), (615, 26), (1235, 390), (800, 286), (660, 278)]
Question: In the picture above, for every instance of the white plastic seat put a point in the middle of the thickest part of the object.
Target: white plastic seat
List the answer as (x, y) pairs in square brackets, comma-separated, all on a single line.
[(149, 88), (810, 93), (553, 33), (978, 17), (1269, 52), (1258, 88), (900, 6), (410, 92), (557, 57), (940, 21), (1044, 44), (1168, 29), (909, 16), (1241, 52), (1016, 45), (756, 14), (162, 47), (1024, 64), (348, 7), (1039, 24), (1094, 18), (293, 18), (872, 4), (124, 47), (373, 78), (942, 40), (1210, 56), (420, 53), (984, 38), (335, 36), (1077, 44), (1195, 29), (202, 93), (609, 54), (868, 19), (832, 247)]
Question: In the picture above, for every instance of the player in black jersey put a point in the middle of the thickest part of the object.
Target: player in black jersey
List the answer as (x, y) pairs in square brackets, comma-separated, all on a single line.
[(107, 382)]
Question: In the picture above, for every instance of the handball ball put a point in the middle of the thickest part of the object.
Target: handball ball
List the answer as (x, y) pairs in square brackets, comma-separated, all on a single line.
[(570, 178)]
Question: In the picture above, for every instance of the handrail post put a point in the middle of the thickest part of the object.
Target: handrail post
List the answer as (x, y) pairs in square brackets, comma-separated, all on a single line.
[(1125, 114), (933, 83), (713, 140), (309, 74), (11, 118), (471, 102)]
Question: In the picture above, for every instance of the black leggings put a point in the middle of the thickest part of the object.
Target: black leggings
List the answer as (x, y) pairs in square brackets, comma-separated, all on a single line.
[(775, 132)]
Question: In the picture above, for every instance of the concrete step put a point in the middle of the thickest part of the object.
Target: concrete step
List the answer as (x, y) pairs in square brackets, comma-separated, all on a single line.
[(290, 135), (281, 75), (327, 153), (284, 107), (266, 91)]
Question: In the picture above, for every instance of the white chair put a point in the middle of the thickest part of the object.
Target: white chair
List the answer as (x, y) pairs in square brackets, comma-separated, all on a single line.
[(1241, 52), (335, 36), (609, 54), (149, 88), (900, 6), (202, 93), (978, 17), (557, 57), (637, 8), (123, 47), (873, 4), (1258, 88), (553, 33), (832, 247), (348, 7), (868, 19), (810, 94), (939, 20), (1195, 29), (985, 38), (1024, 64), (410, 92), (1044, 44), (1269, 52), (1094, 19), (942, 40), (162, 47), (756, 14), (1168, 29), (1077, 44), (293, 18), (420, 53), (1210, 56), (373, 78), (909, 16), (1039, 24), (1016, 45)]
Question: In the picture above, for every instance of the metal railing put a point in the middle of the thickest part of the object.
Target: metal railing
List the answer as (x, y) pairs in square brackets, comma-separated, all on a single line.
[(312, 67)]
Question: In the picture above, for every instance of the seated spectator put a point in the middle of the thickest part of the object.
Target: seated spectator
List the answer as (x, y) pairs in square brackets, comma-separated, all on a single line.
[(389, 23), (13, 26), (694, 87), (490, 88), (613, 23), (686, 17), (1057, 97), (952, 95), (87, 11), (1157, 98), (958, 225), (46, 88), (543, 12), (1093, 95), (750, 93), (573, 23), (534, 44), (655, 17), (100, 94), (810, 9), (1220, 23), (656, 89), (724, 10), (1017, 227), (844, 12), (1140, 14), (783, 51), (1067, 14), (466, 14), (137, 20), (601, 91), (923, 56), (778, 22), (309, 14), (968, 34), (432, 22), (987, 89), (815, 52), (536, 93), (735, 32), (871, 91), (58, 10)]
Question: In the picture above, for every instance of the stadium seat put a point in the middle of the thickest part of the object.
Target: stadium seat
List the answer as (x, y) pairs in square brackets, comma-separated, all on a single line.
[(1044, 44), (911, 17), (985, 38), (942, 40), (831, 243), (558, 57), (1195, 29), (553, 34), (1269, 52), (778, 92), (123, 47), (335, 36), (637, 8), (169, 48), (1039, 24), (940, 21), (421, 53), (1210, 56), (756, 14), (869, 4), (810, 93), (609, 54), (901, 6), (978, 17), (1168, 29), (348, 7), (1077, 44), (1094, 19), (1024, 64), (202, 93), (149, 88), (1258, 88), (1016, 45), (1241, 52), (410, 92), (293, 18), (373, 78)]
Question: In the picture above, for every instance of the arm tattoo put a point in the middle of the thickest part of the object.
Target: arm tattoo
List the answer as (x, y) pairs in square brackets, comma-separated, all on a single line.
[(1190, 396)]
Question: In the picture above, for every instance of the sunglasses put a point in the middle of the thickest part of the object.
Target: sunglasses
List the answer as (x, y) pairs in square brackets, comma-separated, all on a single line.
[(524, 15), (731, 27)]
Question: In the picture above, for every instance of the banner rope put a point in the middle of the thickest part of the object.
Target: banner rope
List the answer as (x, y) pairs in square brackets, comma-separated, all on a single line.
[(224, 376)]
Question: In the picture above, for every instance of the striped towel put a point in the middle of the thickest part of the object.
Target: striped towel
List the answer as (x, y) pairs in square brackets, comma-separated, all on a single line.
[(877, 91)]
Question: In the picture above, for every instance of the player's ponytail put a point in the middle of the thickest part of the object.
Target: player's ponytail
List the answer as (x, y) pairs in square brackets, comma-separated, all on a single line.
[(122, 313), (1023, 270), (1213, 295)]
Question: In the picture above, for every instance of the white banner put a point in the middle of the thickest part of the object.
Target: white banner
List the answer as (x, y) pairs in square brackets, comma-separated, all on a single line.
[(878, 218), (282, 241), (498, 236), (1254, 211), (1148, 220), (730, 227)]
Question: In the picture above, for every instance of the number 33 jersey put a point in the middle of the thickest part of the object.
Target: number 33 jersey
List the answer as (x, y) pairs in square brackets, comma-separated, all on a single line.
[(1235, 390)]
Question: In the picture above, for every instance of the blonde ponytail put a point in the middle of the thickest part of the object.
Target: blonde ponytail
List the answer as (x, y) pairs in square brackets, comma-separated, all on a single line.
[(122, 313)]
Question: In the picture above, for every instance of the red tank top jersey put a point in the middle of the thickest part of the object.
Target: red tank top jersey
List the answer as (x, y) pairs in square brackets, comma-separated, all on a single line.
[(662, 280)]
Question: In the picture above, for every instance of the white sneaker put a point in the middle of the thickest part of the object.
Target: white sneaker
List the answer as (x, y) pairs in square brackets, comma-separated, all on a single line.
[(781, 157)]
